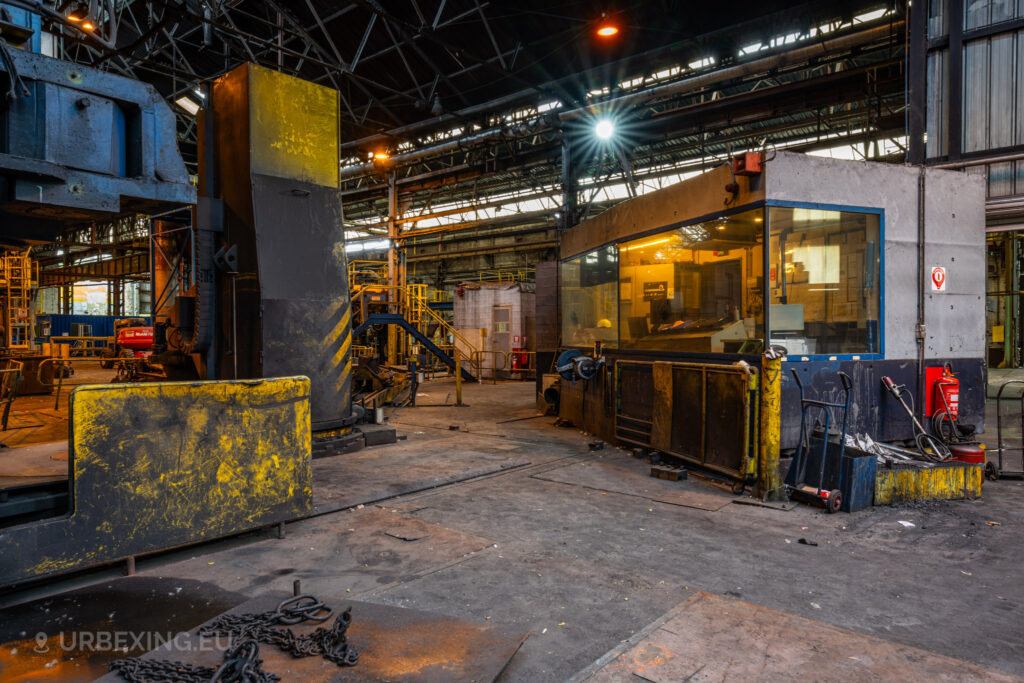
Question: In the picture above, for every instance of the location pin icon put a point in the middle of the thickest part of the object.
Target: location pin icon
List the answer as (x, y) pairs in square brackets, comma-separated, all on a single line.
[(41, 642)]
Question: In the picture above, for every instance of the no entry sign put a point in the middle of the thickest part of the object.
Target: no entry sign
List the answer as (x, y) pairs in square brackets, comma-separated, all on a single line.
[(938, 279)]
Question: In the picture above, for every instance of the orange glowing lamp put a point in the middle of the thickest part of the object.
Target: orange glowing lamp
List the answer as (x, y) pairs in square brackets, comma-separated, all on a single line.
[(607, 30)]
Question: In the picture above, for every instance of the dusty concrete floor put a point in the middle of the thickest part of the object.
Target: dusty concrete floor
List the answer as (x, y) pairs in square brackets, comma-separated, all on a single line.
[(584, 569)]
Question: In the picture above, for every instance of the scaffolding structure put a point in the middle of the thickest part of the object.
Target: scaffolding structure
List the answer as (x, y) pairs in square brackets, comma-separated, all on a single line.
[(16, 281)]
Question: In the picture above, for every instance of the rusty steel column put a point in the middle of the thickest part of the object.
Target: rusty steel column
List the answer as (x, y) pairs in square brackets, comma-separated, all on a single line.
[(163, 291)]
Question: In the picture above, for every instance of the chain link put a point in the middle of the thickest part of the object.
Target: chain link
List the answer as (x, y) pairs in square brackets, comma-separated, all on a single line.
[(330, 643), (241, 665), (241, 662)]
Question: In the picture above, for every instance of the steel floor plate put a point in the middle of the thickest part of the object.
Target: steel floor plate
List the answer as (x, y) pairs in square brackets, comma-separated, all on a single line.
[(394, 644), (73, 637), (714, 638)]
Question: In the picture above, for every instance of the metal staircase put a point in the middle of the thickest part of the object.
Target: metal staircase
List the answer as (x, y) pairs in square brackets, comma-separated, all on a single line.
[(408, 307)]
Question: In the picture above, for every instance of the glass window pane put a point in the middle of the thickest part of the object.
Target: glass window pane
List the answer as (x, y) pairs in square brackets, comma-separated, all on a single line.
[(975, 106), (588, 298), (976, 13), (697, 288), (936, 18), (1003, 71), (1000, 10), (824, 281), (1019, 115), (938, 118), (1000, 179)]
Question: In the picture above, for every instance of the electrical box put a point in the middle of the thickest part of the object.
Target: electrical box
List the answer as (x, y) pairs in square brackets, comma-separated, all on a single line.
[(749, 163)]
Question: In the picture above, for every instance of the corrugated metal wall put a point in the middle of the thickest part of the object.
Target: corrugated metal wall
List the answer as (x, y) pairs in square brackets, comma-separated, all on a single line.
[(102, 325)]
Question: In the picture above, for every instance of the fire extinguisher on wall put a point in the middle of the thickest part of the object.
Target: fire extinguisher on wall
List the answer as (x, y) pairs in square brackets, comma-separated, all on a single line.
[(947, 393)]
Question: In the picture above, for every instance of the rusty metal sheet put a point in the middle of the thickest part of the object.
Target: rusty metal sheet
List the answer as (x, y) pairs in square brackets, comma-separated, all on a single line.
[(395, 644), (713, 638), (726, 420), (155, 466), (687, 396)]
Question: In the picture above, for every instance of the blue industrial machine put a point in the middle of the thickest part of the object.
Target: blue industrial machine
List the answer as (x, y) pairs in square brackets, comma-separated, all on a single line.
[(78, 144)]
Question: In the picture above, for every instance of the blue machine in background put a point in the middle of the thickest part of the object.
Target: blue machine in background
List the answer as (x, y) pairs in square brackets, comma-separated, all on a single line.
[(77, 144)]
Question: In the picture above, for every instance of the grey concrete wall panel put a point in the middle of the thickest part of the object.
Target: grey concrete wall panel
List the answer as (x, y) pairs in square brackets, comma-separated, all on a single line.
[(955, 220), (955, 230)]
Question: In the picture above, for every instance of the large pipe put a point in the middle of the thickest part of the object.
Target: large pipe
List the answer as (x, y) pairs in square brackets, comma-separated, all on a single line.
[(453, 145), (921, 255), (790, 58)]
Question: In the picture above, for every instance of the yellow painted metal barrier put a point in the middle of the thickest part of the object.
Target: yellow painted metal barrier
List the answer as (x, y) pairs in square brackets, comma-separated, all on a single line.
[(949, 481), (477, 363), (769, 482), (155, 466)]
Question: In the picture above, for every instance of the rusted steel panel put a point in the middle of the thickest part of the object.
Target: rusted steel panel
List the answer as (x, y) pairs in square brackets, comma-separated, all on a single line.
[(394, 644)]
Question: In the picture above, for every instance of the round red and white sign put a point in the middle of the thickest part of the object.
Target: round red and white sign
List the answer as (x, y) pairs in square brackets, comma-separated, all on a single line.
[(938, 279)]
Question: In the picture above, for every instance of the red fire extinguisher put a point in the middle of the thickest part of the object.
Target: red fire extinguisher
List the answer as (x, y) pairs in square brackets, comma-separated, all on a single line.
[(947, 392)]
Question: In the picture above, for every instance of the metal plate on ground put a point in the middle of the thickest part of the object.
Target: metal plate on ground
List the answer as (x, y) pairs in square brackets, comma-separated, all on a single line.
[(714, 638), (621, 478), (73, 637), (377, 474), (394, 644)]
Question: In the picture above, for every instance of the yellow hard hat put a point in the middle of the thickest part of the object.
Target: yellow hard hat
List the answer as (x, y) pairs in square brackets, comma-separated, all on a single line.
[(604, 322)]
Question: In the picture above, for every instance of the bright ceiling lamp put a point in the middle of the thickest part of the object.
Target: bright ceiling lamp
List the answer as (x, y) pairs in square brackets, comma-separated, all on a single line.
[(604, 129), (188, 104)]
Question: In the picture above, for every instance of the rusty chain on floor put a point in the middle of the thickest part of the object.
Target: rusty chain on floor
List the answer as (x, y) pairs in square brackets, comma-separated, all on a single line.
[(241, 663)]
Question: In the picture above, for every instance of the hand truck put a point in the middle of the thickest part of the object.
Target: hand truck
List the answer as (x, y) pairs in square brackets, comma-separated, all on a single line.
[(832, 500), (992, 470)]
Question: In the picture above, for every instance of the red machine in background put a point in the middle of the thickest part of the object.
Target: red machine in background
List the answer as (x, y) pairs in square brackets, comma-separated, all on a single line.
[(138, 340), (133, 338)]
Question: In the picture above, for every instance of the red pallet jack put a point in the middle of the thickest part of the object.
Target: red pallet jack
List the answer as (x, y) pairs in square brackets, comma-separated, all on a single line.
[(832, 500)]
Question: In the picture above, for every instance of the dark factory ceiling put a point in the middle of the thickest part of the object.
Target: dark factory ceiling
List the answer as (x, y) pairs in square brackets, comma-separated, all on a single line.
[(402, 62)]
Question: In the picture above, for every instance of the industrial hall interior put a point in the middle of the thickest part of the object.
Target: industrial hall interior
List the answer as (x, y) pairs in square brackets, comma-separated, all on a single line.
[(639, 341)]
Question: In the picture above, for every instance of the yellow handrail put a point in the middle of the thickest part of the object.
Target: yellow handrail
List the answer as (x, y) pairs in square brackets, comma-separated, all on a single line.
[(476, 362)]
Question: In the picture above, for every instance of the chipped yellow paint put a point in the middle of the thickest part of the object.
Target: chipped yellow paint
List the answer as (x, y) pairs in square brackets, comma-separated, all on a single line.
[(293, 127), (165, 464), (949, 482), (343, 349), (342, 326), (346, 374), (769, 483)]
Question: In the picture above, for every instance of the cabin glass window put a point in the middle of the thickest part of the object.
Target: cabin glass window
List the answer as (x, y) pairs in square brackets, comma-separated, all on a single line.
[(697, 288), (824, 281), (589, 304)]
